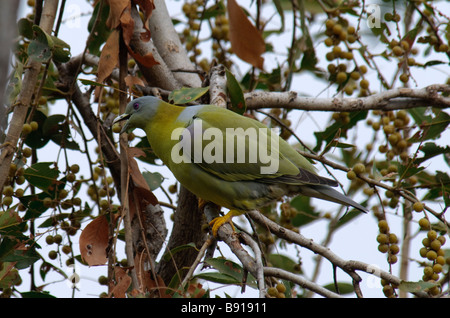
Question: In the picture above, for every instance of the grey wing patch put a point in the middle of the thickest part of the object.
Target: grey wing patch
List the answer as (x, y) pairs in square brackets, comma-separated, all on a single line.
[(304, 177)]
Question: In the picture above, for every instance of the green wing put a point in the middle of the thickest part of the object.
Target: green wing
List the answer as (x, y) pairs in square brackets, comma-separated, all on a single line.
[(238, 148)]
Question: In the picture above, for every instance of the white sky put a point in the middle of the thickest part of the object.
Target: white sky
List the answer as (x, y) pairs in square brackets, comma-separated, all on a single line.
[(355, 241)]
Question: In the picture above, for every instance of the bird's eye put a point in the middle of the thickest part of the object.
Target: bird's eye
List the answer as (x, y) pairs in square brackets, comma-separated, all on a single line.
[(136, 106)]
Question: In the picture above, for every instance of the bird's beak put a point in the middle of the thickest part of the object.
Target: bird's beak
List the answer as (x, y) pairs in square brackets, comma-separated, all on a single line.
[(122, 118)]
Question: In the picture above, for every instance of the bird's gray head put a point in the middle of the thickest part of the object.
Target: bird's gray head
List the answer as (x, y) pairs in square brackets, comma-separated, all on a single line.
[(139, 112)]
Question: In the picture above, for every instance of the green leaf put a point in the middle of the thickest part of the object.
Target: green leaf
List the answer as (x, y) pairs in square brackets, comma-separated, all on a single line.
[(279, 6), (214, 11), (284, 262), (61, 50), (37, 139), (23, 258), (57, 129), (154, 179), (186, 95), (33, 294), (40, 48), (350, 215), (218, 278), (309, 59), (236, 95), (168, 255), (41, 175), (51, 221), (101, 30), (432, 127), (337, 129), (231, 270), (25, 28), (91, 83), (34, 204), (344, 288), (431, 150), (414, 287), (9, 275), (11, 224), (150, 156), (306, 213)]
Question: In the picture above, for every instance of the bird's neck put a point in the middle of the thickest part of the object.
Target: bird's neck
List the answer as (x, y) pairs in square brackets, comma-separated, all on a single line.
[(160, 128)]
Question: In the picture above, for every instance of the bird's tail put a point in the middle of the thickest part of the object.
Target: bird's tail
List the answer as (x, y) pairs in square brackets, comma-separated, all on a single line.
[(329, 194)]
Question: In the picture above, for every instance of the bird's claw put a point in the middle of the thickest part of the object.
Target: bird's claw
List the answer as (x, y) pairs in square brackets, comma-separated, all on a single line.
[(217, 222)]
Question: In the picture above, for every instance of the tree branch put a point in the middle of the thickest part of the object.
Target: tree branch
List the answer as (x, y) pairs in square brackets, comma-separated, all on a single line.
[(350, 267), (166, 40), (399, 98), (24, 100)]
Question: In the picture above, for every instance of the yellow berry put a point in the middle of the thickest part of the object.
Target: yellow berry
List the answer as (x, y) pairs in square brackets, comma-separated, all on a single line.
[(8, 191), (432, 235), (337, 29), (7, 200), (364, 84), (435, 245), (355, 75), (418, 206), (424, 223), (116, 128), (394, 249), (52, 254), (440, 260), (341, 77), (27, 152), (359, 168), (383, 248), (383, 226), (351, 175), (272, 291), (47, 202), (437, 268), (330, 24), (63, 194), (397, 50), (404, 78), (75, 168), (382, 238), (26, 129), (281, 288), (34, 125), (431, 255)]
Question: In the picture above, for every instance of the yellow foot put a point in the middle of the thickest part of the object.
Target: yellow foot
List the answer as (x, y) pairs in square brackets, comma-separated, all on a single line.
[(201, 203), (219, 221)]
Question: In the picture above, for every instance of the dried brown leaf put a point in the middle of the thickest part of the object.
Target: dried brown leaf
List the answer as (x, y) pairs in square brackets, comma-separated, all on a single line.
[(127, 25), (109, 56), (147, 7), (146, 60), (245, 39), (123, 282), (116, 8), (145, 278), (94, 241), (131, 81)]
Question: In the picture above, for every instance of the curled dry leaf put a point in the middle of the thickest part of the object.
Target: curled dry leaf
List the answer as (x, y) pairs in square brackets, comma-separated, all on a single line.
[(131, 81), (116, 8), (127, 25), (123, 281), (245, 39), (109, 56), (146, 281), (147, 7), (94, 241)]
